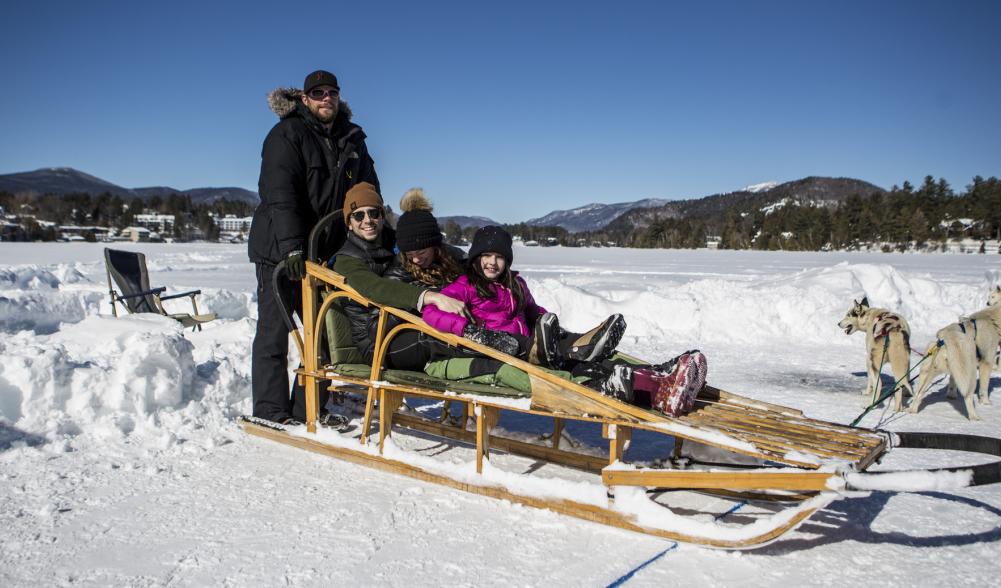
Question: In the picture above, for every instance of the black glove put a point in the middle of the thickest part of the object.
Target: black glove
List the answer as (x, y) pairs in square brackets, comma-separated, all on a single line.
[(498, 340), (295, 266)]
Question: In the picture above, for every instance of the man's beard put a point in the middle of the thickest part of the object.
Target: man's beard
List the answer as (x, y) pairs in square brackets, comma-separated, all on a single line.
[(318, 114)]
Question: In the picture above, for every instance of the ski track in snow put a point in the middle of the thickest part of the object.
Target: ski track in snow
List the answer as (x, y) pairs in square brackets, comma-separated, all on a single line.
[(120, 463)]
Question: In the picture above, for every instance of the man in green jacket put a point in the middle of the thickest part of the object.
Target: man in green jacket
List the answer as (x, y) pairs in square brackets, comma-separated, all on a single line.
[(368, 252)]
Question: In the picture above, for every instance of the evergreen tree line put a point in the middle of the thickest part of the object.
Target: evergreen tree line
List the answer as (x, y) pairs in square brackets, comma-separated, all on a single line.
[(457, 235), (107, 210), (903, 217)]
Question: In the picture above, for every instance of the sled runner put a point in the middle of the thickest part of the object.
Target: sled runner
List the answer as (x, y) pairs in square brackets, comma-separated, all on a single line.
[(793, 465)]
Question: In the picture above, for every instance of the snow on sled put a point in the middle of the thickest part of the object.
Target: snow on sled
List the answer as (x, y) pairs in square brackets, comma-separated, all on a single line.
[(776, 465)]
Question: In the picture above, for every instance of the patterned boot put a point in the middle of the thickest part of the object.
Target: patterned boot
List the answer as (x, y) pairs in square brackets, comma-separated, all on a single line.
[(678, 387)]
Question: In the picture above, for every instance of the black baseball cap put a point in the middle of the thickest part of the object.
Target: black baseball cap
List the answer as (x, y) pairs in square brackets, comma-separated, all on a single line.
[(319, 78)]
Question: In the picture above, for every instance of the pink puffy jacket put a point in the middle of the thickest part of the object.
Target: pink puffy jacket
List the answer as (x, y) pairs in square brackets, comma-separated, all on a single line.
[(494, 313)]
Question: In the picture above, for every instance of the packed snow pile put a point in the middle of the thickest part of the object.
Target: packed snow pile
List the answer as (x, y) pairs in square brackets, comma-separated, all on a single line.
[(39, 299), (691, 310), (135, 375), (71, 370)]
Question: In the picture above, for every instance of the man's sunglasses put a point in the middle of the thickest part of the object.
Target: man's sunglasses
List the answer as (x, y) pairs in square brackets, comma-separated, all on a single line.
[(318, 94), (374, 214)]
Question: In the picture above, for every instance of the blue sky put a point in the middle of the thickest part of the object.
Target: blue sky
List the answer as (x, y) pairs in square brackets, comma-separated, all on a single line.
[(511, 110)]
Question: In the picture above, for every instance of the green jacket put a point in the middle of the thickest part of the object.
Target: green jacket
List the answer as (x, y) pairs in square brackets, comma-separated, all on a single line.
[(377, 288)]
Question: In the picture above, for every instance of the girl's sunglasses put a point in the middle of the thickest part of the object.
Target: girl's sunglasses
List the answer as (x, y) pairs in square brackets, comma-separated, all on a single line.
[(374, 214)]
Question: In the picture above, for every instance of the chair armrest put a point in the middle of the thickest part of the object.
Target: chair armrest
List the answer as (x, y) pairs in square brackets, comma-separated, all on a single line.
[(181, 295), (153, 291)]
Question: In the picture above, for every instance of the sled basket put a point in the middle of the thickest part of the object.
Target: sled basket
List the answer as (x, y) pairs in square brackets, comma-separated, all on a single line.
[(787, 456)]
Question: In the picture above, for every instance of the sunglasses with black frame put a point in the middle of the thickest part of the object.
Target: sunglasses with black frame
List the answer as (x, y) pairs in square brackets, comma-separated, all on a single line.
[(374, 214)]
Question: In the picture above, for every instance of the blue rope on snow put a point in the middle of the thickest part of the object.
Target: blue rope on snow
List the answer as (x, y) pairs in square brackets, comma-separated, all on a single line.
[(633, 571), (732, 510), (625, 578)]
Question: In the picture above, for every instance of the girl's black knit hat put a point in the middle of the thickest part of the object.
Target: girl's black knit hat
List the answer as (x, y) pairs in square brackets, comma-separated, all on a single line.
[(492, 238)]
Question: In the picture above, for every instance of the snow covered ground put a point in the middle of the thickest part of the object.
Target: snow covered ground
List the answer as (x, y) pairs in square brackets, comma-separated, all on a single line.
[(120, 463)]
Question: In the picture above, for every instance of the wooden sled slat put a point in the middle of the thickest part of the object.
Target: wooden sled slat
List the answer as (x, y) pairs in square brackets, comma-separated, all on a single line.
[(554, 455), (799, 481), (772, 431), (789, 427)]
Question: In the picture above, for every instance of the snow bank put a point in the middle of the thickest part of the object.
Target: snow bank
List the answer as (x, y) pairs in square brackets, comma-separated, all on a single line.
[(70, 373), (106, 377), (35, 298), (58, 383), (689, 310)]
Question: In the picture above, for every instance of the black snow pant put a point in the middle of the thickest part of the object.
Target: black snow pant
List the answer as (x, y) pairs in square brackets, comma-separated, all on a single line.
[(269, 360), (412, 350)]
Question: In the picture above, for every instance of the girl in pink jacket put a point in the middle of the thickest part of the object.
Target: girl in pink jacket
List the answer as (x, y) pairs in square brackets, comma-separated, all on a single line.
[(506, 317)]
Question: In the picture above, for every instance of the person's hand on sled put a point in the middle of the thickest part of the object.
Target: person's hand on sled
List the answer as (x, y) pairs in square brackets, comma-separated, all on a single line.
[(447, 304), (295, 266)]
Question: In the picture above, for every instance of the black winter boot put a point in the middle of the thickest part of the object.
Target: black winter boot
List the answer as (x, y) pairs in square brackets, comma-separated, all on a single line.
[(599, 343), (545, 349), (618, 384)]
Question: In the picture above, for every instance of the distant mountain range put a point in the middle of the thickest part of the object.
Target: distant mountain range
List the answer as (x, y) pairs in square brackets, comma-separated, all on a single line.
[(813, 190), (66, 180), (621, 216), (640, 213), (592, 216), (467, 221)]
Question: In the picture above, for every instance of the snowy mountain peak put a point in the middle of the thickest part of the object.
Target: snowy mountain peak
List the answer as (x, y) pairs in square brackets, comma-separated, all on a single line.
[(763, 186)]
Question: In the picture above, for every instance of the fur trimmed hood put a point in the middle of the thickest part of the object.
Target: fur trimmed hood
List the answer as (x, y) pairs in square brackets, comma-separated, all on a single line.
[(283, 101)]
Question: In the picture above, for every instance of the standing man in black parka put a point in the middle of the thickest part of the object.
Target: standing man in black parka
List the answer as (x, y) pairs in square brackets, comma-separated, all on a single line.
[(309, 161)]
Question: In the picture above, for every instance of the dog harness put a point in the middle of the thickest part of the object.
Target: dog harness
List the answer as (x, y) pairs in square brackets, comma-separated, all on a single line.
[(962, 327), (885, 323)]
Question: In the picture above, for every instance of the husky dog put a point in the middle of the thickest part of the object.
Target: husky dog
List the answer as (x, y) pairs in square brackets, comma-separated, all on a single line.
[(987, 335), (955, 353), (887, 338)]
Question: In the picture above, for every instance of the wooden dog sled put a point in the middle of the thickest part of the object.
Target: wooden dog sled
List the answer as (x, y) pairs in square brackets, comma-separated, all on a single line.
[(799, 464)]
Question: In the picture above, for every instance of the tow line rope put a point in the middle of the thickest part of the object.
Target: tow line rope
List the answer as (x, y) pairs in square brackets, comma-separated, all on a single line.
[(674, 545), (732, 510), (628, 575), (886, 394)]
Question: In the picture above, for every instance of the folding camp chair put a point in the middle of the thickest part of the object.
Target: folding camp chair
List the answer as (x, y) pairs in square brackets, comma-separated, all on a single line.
[(128, 271)]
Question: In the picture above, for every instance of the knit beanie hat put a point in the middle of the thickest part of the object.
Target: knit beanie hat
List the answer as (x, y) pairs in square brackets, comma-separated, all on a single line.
[(491, 238), (417, 228), (361, 194)]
